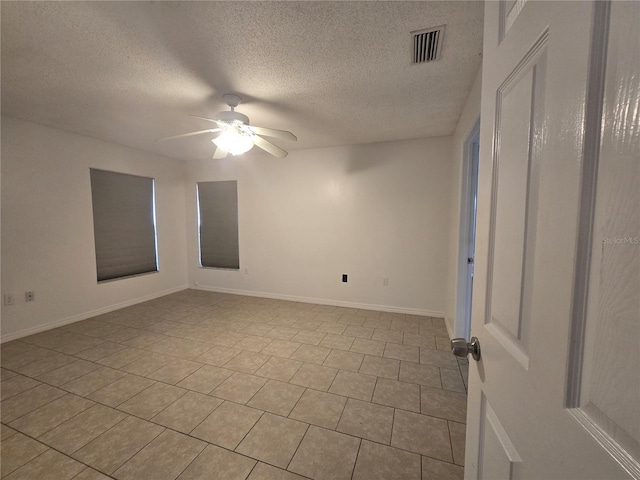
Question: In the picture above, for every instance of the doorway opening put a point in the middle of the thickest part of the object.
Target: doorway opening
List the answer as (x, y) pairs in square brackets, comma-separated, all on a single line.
[(467, 240)]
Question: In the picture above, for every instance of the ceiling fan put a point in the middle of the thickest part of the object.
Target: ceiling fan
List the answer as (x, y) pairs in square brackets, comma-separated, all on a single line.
[(237, 136)]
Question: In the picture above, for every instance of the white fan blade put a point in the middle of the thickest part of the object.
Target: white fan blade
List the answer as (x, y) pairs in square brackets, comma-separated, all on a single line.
[(219, 154), (269, 147), (207, 119), (211, 130), (272, 132)]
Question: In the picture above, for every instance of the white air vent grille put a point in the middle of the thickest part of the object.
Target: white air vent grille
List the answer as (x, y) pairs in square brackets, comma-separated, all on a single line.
[(427, 44)]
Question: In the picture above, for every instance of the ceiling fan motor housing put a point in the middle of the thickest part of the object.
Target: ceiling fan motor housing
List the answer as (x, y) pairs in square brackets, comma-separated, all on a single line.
[(231, 117)]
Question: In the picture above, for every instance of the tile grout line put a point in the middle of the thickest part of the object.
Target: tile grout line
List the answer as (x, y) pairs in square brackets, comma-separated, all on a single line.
[(37, 408), (194, 459), (24, 391), (453, 460), (129, 458), (393, 425), (297, 446), (341, 414), (353, 470), (85, 469), (37, 456), (297, 402), (56, 426)]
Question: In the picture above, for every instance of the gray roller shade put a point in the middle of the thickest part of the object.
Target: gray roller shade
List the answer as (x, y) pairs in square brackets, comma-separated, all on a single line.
[(123, 224), (218, 210)]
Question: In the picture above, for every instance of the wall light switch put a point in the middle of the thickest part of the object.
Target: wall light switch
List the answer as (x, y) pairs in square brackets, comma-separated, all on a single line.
[(29, 296), (344, 278)]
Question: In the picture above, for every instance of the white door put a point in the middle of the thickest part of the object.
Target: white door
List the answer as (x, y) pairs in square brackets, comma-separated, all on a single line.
[(556, 393)]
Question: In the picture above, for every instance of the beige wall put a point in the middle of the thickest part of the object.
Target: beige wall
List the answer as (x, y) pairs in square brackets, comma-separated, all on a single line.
[(47, 226), (370, 211)]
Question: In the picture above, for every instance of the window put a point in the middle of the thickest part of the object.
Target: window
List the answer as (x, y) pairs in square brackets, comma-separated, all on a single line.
[(123, 224), (218, 224)]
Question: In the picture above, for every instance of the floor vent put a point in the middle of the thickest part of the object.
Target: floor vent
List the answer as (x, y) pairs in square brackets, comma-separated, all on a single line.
[(427, 44)]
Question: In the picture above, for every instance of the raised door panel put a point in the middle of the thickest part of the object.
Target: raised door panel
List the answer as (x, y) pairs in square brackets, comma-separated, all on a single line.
[(519, 112)]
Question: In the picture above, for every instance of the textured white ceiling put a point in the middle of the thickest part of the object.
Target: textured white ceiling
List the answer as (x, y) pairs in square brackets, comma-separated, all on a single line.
[(333, 73)]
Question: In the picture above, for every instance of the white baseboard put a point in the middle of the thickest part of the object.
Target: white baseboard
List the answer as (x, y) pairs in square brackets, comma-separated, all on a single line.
[(85, 315), (321, 301), (292, 298), (450, 328)]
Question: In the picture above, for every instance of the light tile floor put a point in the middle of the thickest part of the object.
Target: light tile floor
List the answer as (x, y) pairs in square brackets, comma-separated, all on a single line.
[(215, 386)]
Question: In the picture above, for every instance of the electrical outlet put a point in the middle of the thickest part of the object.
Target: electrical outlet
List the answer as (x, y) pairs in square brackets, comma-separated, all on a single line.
[(344, 278), (246, 271), (385, 281), (9, 299), (29, 296)]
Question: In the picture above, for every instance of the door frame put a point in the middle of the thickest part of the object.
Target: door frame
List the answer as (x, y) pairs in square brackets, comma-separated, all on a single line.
[(466, 237)]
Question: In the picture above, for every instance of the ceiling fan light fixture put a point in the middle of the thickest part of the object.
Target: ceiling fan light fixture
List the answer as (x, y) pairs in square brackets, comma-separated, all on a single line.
[(234, 141), (237, 135)]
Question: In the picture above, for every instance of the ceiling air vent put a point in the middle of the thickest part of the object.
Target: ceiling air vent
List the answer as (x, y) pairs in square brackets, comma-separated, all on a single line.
[(427, 44)]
